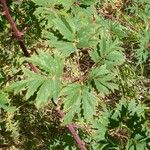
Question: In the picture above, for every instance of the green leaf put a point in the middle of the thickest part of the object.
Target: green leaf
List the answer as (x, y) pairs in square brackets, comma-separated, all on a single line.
[(64, 28), (32, 83), (45, 3), (51, 64), (66, 3), (118, 110), (18, 86), (141, 146), (143, 53), (33, 86), (47, 85), (87, 2), (103, 79), (3, 99), (102, 129), (1, 77), (70, 115), (108, 52), (44, 93), (87, 36), (56, 88), (65, 48), (75, 95), (134, 107), (89, 103), (49, 89), (4, 103), (102, 125)]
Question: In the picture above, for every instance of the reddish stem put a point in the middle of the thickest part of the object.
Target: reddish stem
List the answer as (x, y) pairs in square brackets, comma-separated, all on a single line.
[(17, 33), (19, 36), (80, 143)]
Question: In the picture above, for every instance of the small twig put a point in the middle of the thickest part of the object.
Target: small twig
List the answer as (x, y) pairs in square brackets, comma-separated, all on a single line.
[(81, 144), (17, 33)]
